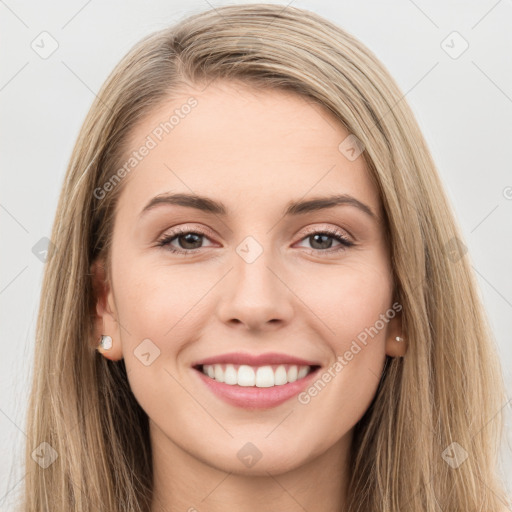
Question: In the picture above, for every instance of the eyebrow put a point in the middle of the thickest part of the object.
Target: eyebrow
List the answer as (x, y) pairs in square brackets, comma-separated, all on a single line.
[(293, 208)]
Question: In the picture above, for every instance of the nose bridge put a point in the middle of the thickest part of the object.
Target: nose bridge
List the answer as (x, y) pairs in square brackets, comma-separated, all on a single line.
[(255, 295), (254, 281)]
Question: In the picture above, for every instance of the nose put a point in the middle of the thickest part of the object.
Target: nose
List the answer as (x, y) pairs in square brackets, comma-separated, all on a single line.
[(255, 295)]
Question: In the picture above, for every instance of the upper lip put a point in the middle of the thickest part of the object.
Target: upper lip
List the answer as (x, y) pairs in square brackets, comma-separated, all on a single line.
[(255, 360)]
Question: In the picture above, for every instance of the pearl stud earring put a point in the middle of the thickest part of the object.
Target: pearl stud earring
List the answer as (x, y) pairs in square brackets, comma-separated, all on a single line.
[(105, 342)]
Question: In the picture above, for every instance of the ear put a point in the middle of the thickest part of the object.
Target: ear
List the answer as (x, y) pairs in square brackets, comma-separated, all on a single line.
[(396, 348), (105, 319)]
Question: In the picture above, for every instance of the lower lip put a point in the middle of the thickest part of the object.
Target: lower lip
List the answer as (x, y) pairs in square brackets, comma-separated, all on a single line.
[(252, 397)]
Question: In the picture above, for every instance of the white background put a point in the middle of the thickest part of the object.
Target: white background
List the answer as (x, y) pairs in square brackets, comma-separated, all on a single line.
[(463, 105)]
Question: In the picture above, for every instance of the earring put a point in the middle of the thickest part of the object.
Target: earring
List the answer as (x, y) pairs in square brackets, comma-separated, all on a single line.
[(105, 342), (399, 339)]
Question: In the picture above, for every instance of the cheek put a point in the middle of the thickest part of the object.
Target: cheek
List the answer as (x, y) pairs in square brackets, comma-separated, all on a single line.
[(154, 308), (152, 298), (356, 308), (160, 310), (348, 298)]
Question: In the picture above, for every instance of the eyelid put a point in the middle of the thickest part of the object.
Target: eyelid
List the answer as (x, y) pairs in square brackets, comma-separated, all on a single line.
[(331, 230), (187, 227), (179, 228)]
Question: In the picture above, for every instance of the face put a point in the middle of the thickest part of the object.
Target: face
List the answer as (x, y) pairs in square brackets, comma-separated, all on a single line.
[(245, 273)]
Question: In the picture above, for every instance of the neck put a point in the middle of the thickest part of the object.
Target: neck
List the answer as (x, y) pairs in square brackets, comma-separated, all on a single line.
[(184, 483)]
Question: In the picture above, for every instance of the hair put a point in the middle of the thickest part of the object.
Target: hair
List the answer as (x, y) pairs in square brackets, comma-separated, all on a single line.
[(449, 386)]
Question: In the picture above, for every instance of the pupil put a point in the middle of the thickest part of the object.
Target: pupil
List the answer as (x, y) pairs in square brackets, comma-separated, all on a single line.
[(189, 239), (326, 244)]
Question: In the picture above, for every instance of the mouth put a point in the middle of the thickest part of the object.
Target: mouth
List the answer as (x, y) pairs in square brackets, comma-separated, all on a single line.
[(265, 376), (255, 387)]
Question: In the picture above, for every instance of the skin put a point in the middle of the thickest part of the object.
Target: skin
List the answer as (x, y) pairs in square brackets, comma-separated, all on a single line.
[(255, 151)]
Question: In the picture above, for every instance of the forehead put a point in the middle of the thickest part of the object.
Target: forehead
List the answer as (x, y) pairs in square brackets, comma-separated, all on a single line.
[(245, 145)]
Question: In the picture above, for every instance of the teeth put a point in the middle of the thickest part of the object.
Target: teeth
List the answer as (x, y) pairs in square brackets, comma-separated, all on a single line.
[(292, 374), (260, 377), (230, 375), (264, 377), (219, 374), (245, 375), (280, 376), (303, 371)]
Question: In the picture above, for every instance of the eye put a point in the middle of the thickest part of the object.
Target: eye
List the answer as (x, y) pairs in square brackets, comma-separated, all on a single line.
[(321, 241), (189, 240)]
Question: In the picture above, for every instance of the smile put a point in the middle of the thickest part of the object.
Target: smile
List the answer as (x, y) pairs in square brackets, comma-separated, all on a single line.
[(255, 387), (260, 376)]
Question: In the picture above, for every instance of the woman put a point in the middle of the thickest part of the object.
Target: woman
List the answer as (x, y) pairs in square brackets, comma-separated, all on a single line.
[(258, 297)]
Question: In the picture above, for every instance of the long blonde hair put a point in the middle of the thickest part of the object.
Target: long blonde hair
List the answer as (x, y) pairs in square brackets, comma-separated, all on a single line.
[(447, 389)]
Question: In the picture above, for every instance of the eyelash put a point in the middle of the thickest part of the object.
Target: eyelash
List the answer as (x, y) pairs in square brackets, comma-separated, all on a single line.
[(165, 241)]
